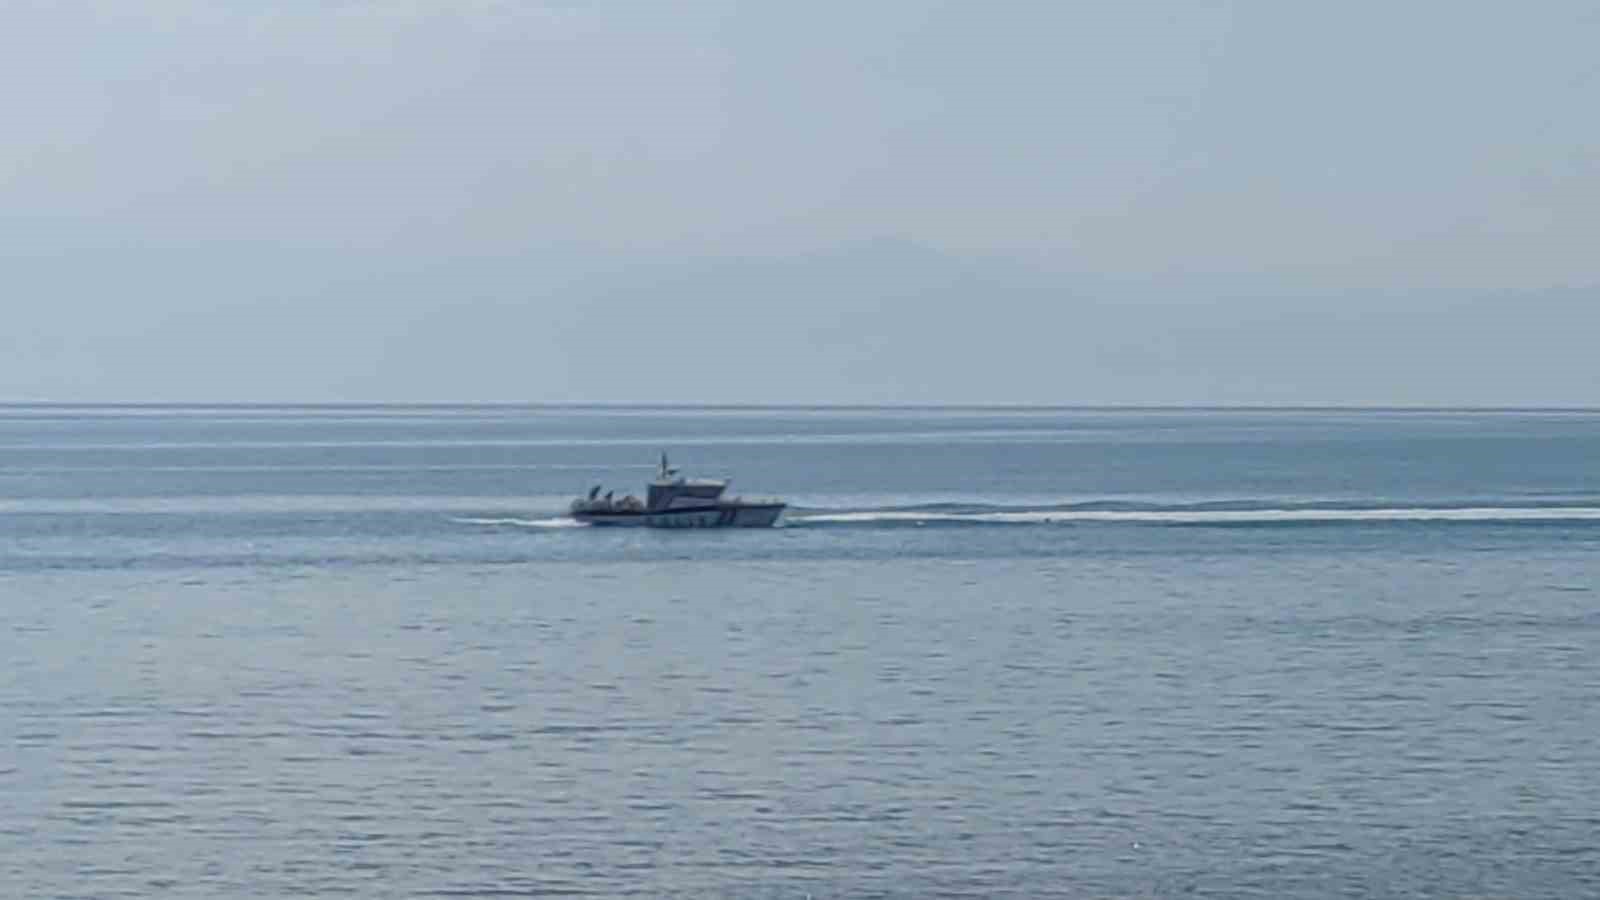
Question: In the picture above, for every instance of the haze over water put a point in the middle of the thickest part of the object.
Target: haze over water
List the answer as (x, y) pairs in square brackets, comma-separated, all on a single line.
[(284, 651), (266, 652)]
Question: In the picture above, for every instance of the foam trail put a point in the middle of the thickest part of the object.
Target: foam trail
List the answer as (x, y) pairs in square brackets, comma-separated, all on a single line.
[(1211, 517), (559, 522)]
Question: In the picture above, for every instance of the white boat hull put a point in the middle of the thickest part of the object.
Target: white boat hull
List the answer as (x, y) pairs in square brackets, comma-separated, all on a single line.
[(674, 501)]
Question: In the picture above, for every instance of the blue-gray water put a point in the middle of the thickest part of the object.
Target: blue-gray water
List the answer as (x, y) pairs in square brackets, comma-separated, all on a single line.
[(283, 652)]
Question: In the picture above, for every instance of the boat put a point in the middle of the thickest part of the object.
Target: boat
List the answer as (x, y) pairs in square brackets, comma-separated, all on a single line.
[(673, 501)]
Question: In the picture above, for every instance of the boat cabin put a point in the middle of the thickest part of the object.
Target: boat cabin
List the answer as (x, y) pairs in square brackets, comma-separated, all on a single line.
[(672, 491)]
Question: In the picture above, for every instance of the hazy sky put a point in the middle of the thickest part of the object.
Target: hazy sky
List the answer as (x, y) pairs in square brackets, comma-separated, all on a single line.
[(1047, 202)]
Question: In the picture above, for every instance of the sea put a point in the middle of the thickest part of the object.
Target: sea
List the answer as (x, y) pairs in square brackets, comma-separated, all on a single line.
[(359, 651)]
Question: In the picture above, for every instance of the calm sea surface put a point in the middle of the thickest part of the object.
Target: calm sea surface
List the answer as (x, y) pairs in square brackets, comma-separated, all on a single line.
[(303, 652)]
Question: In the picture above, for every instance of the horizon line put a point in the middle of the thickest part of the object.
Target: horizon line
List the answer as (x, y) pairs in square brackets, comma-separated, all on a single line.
[(713, 406)]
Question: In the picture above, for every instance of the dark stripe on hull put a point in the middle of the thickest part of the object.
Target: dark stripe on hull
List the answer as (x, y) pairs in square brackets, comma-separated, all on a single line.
[(753, 515)]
